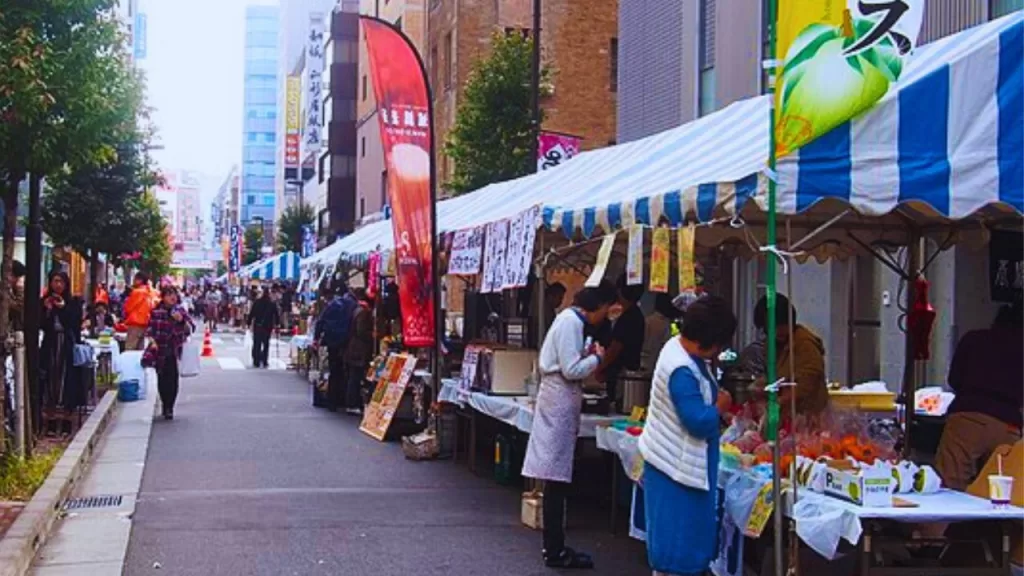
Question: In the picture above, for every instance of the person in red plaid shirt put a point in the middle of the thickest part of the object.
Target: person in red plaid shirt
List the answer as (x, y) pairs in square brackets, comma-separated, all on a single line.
[(169, 327)]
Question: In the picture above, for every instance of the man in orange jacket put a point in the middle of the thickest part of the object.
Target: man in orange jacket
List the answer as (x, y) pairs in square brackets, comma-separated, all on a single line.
[(136, 311)]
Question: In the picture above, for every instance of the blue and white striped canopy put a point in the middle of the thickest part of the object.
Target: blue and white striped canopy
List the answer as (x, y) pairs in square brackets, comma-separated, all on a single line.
[(283, 266), (945, 143)]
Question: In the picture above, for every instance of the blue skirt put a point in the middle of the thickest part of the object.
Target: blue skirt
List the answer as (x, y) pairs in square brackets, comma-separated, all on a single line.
[(682, 527)]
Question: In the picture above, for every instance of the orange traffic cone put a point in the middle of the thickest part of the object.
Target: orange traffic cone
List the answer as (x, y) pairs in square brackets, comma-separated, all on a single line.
[(207, 345)]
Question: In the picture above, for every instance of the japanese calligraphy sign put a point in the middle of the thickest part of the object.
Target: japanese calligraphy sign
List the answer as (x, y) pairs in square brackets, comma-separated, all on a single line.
[(401, 91), (293, 121), (467, 251), (519, 254), (554, 148), (313, 136), (659, 260), (834, 63), (494, 257), (235, 249), (635, 256)]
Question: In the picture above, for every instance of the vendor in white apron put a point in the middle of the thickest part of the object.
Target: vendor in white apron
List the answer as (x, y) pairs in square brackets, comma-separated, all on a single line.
[(565, 361)]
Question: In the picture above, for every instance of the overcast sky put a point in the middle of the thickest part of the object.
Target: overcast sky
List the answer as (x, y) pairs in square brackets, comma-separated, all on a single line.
[(194, 65)]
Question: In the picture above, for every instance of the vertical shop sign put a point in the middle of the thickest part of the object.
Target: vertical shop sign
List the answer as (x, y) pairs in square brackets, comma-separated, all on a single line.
[(835, 60), (313, 137), (234, 249), (659, 259), (494, 257), (403, 100), (604, 254), (685, 255), (554, 148), (519, 255), (293, 123)]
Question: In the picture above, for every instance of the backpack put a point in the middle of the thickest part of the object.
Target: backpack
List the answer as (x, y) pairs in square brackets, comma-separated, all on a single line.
[(337, 321)]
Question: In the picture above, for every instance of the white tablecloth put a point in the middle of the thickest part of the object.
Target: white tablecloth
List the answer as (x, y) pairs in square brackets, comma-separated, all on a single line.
[(822, 520), (515, 411), (112, 348)]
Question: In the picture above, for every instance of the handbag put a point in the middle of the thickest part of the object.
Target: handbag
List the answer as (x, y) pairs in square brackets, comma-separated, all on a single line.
[(149, 357), (188, 366)]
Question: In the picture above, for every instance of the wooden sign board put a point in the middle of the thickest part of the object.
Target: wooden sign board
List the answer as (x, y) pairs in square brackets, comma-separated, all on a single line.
[(387, 395)]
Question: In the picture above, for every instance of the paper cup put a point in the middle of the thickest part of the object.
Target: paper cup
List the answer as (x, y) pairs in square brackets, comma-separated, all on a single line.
[(927, 481), (1000, 488)]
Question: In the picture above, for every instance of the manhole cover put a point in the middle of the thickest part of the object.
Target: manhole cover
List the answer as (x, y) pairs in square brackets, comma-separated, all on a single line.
[(89, 502)]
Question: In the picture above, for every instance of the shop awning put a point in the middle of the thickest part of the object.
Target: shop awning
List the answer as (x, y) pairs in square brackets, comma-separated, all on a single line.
[(283, 266), (944, 144)]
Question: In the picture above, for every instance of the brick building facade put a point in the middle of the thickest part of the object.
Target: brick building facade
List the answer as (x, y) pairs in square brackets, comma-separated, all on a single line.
[(579, 47)]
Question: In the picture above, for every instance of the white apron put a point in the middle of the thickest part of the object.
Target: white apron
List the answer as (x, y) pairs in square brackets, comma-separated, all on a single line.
[(556, 425)]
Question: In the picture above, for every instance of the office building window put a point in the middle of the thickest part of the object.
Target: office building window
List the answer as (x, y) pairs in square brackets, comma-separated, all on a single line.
[(322, 168), (1000, 8), (362, 207), (364, 87), (613, 64), (250, 199), (706, 58), (766, 41), (362, 147), (449, 66)]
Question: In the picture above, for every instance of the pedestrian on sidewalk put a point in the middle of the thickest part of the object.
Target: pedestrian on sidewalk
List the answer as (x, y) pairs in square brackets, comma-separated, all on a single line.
[(333, 331), (137, 309), (62, 329), (566, 359), (679, 443), (262, 319), (169, 327), (359, 351)]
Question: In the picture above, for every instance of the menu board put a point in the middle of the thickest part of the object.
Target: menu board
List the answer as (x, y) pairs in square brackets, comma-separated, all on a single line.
[(635, 256), (470, 359), (604, 254), (519, 254), (467, 252), (659, 260), (494, 257), (387, 395)]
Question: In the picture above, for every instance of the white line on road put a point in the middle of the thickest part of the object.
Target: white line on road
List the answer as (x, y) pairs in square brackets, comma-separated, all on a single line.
[(230, 364)]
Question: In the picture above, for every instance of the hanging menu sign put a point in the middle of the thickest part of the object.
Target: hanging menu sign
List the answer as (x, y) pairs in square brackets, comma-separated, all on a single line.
[(659, 260), (685, 254), (467, 251), (519, 254), (604, 253), (635, 256), (494, 257)]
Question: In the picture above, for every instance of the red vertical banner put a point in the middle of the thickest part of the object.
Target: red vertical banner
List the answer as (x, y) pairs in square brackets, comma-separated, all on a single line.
[(403, 105)]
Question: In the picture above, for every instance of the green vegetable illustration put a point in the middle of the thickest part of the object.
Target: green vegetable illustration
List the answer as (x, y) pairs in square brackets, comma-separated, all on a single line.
[(822, 86), (854, 491)]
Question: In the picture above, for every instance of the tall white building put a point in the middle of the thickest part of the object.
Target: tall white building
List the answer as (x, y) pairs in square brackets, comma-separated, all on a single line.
[(134, 23)]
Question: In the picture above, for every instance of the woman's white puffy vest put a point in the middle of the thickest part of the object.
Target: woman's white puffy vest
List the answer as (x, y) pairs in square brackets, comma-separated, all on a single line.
[(665, 443)]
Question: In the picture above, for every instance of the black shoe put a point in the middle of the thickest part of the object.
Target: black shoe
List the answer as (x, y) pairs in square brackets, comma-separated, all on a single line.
[(168, 415), (569, 558)]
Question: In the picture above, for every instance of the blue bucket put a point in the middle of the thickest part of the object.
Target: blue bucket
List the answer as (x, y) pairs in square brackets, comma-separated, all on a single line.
[(128, 391)]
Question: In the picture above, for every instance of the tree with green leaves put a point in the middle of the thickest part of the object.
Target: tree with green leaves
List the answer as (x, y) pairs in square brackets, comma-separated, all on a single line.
[(154, 239), (493, 138), (290, 227), (253, 244)]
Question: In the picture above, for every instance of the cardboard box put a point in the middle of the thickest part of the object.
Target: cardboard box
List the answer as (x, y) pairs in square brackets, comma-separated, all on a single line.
[(863, 486)]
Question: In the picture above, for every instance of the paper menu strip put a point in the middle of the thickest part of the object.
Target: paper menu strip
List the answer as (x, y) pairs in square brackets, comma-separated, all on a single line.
[(604, 254)]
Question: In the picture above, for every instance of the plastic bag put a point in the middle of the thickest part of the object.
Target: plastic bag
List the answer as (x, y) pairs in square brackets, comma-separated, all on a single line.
[(188, 366)]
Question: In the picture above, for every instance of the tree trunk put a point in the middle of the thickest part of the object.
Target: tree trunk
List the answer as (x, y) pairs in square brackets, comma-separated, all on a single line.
[(33, 304), (94, 275), (6, 288)]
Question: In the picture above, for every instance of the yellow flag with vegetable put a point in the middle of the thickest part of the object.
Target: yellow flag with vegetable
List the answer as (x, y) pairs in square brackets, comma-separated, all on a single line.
[(835, 59)]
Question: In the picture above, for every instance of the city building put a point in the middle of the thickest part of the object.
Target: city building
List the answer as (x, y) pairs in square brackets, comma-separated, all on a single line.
[(371, 173), (681, 60), (225, 208), (579, 49), (260, 109), (336, 160), (134, 23)]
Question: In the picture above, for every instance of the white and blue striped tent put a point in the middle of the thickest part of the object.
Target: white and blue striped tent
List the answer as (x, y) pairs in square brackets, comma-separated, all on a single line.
[(946, 143), (283, 266)]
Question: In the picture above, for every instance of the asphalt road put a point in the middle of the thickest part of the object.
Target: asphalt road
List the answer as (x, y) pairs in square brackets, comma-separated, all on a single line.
[(250, 479)]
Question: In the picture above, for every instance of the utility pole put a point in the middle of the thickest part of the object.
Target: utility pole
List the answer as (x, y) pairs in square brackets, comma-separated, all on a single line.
[(536, 86)]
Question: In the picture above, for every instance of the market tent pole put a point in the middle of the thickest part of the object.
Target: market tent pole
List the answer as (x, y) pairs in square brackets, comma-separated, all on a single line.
[(772, 352)]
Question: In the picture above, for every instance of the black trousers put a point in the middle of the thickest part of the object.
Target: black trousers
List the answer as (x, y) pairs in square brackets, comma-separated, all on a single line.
[(167, 384), (555, 495), (336, 380), (260, 347), (354, 386)]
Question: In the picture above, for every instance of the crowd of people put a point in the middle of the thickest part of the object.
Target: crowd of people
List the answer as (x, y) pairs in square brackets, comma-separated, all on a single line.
[(344, 332)]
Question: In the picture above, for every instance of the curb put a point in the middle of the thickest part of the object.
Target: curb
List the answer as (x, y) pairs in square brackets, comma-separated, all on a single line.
[(32, 528)]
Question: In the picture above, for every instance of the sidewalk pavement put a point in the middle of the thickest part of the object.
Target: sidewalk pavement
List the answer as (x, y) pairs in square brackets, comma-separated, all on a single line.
[(93, 541)]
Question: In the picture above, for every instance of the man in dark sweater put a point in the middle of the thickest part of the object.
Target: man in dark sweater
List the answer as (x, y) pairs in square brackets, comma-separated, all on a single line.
[(986, 373), (263, 319)]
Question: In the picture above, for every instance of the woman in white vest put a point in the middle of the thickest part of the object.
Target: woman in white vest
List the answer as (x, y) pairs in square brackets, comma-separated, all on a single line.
[(680, 442), (565, 361)]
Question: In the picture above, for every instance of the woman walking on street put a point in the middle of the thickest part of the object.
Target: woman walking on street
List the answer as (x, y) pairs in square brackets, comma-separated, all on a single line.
[(169, 327), (62, 329), (566, 359)]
